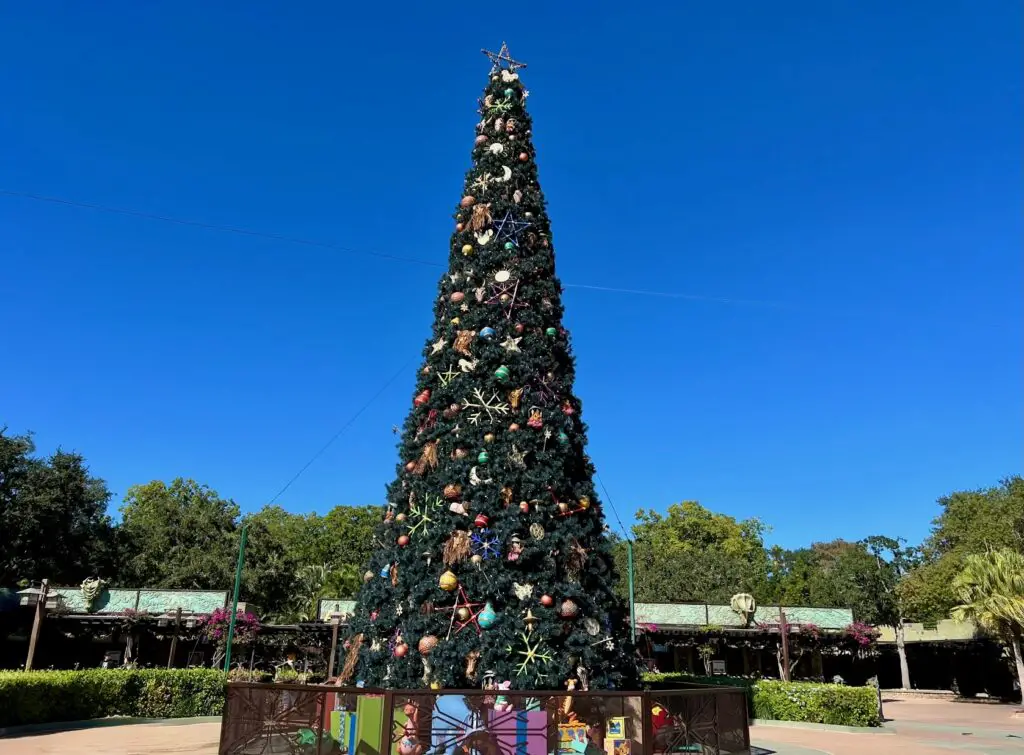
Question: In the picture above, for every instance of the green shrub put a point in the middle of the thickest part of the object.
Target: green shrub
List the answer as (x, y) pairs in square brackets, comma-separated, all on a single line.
[(809, 702), (38, 697)]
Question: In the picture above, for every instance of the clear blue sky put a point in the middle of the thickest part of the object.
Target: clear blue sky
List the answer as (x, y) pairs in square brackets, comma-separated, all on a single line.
[(846, 174)]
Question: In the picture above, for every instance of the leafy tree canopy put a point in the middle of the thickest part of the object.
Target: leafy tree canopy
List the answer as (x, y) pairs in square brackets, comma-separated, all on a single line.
[(54, 515)]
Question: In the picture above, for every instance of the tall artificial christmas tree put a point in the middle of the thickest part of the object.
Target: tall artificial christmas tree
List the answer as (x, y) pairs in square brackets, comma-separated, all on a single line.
[(493, 563)]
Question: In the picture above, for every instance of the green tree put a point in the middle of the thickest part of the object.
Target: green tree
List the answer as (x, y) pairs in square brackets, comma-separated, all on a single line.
[(178, 536), (693, 554), (494, 449), (971, 522), (54, 516), (990, 588), (883, 601)]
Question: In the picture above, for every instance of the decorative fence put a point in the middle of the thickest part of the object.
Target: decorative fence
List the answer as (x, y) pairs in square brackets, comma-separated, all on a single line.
[(260, 719)]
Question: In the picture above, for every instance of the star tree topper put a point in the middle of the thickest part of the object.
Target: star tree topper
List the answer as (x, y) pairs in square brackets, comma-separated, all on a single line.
[(502, 60)]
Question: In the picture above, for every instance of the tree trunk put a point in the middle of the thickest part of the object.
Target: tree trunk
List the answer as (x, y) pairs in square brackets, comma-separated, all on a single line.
[(901, 649), (1018, 658)]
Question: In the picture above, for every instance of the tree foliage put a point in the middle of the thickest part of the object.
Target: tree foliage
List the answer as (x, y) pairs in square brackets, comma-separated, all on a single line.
[(693, 554), (971, 522), (54, 516)]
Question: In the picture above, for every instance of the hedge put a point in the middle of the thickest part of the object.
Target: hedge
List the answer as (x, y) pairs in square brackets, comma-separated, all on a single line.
[(39, 697), (809, 702)]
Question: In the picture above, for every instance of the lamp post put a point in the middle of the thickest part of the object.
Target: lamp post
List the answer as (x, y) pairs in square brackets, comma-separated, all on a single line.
[(35, 597)]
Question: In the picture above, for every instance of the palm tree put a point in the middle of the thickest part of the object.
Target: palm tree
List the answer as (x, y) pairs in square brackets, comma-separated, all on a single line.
[(991, 592)]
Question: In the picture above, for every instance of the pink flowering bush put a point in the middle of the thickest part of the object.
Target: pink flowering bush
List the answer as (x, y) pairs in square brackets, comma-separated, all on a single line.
[(863, 634), (214, 627)]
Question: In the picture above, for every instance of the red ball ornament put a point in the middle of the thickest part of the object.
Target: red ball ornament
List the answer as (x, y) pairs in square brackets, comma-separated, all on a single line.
[(468, 201), (547, 601), (410, 466), (523, 157), (459, 227), (513, 427), (524, 507), (480, 140), (422, 398), (519, 327), (481, 520), (457, 297), (569, 609), (400, 518), (403, 540), (401, 649), (427, 643)]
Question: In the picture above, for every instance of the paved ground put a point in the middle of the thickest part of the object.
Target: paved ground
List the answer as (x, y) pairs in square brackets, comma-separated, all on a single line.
[(920, 727)]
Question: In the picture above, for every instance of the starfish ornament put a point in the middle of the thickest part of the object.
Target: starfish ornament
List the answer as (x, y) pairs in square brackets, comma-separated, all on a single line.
[(512, 344), (437, 346)]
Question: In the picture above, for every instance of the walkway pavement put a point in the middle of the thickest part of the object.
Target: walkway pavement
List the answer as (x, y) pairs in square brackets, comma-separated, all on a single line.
[(919, 727)]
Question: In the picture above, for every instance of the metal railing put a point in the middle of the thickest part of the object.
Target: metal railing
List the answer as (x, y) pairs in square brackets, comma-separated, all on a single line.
[(322, 720)]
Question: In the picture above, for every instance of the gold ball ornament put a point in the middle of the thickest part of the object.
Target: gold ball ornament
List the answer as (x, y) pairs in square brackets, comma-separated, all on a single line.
[(368, 576), (461, 453), (400, 518), (463, 614), (467, 249), (448, 581), (563, 507), (427, 643), (477, 559), (584, 502), (489, 438), (452, 492)]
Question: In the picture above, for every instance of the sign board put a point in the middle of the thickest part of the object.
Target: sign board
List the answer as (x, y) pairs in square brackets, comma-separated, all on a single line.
[(718, 668)]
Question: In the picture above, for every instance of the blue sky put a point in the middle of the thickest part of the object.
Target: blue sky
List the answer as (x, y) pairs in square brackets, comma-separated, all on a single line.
[(840, 181)]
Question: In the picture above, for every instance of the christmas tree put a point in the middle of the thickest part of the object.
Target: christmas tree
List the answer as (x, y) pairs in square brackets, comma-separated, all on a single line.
[(493, 563)]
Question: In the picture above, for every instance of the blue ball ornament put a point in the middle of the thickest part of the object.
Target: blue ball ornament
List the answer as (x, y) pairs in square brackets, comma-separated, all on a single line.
[(487, 333), (509, 245), (509, 92), (488, 617)]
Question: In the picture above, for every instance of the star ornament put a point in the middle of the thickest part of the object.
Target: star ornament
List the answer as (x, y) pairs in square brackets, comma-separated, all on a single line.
[(463, 601), (509, 228), (502, 60), (512, 344), (435, 348)]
